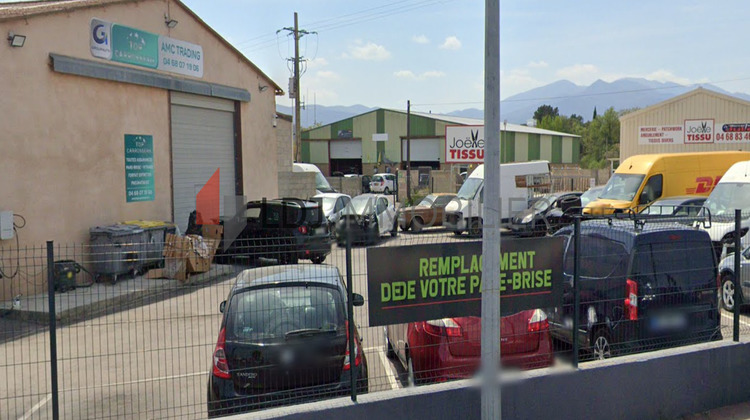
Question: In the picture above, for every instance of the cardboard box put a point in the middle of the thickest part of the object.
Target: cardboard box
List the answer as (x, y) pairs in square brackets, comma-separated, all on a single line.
[(212, 231), (186, 255)]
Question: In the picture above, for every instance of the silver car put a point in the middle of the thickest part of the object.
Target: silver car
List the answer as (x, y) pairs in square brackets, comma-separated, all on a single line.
[(726, 272)]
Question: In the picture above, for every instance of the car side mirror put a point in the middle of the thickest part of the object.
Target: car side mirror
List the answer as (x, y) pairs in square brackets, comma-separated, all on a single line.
[(223, 306), (358, 300), (570, 202)]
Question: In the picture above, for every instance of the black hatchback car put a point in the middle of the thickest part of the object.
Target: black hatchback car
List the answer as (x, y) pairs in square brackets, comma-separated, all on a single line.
[(284, 339), (284, 229), (547, 214), (641, 287)]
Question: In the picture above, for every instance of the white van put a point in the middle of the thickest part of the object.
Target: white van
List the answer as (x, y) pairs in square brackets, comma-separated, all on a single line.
[(464, 213), (730, 193), (321, 183)]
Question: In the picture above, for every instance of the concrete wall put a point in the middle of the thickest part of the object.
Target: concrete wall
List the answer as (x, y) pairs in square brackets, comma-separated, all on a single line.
[(296, 184), (62, 159), (659, 385), (284, 152), (351, 186)]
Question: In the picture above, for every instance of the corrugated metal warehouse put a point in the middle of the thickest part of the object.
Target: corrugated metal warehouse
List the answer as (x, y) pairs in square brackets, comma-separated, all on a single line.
[(351, 145), (698, 121)]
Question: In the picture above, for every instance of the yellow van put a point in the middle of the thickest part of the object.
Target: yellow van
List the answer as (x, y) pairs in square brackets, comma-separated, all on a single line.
[(641, 179)]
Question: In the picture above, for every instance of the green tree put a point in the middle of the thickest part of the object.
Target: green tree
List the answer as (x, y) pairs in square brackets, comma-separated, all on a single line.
[(594, 114), (601, 140), (545, 110)]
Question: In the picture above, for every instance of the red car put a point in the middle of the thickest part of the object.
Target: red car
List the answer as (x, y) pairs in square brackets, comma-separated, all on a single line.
[(450, 348)]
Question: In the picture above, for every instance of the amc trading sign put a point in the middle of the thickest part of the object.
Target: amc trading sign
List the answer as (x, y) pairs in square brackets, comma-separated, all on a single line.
[(464, 144), (423, 282)]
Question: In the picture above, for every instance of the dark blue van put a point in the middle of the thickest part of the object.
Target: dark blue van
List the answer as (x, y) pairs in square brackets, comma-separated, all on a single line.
[(643, 286)]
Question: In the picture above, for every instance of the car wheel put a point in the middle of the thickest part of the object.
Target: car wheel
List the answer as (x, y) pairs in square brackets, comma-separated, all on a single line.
[(475, 228), (386, 191), (727, 291), (318, 259), (394, 231), (389, 353), (602, 345), (416, 225)]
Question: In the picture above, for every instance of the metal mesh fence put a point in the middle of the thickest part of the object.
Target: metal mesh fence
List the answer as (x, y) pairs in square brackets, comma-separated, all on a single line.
[(191, 328)]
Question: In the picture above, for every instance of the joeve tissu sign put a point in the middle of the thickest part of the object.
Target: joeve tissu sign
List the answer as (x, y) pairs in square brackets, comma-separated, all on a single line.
[(423, 282), (464, 144), (139, 167), (124, 44)]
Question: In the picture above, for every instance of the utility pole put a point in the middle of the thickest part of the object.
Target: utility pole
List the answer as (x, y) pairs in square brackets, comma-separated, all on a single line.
[(297, 33), (408, 152), (297, 125), (491, 222)]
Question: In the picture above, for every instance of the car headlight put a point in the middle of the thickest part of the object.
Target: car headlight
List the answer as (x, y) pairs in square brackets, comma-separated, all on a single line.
[(528, 218)]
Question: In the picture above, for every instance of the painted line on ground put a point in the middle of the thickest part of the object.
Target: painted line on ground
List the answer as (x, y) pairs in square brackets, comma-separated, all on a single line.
[(389, 370), (732, 319), (36, 408), (139, 381)]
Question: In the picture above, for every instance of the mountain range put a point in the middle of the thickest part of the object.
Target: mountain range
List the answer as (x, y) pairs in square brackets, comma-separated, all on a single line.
[(568, 97)]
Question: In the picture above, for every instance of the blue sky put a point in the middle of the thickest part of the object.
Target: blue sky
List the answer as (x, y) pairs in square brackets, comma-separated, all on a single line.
[(382, 52), (432, 51)]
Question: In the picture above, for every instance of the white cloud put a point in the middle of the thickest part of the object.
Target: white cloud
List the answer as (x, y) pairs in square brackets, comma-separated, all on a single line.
[(317, 63), (582, 74), (537, 64), (327, 75), (451, 43), (420, 39), (408, 74), (369, 51)]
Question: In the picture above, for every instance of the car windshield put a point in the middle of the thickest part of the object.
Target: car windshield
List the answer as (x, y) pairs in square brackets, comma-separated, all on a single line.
[(428, 201), (328, 204), (728, 196), (281, 215), (362, 204), (321, 183), (469, 188), (543, 203), (590, 195), (622, 187), (270, 313)]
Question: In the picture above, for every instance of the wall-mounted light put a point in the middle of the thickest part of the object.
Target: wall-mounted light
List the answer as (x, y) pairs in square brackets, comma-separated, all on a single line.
[(171, 23), (262, 88), (16, 40)]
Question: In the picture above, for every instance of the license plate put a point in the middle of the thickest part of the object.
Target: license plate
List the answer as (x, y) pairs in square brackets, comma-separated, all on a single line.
[(669, 322)]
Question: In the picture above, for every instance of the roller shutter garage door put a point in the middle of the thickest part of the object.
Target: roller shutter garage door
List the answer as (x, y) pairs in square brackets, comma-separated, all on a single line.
[(346, 156), (202, 141), (423, 152)]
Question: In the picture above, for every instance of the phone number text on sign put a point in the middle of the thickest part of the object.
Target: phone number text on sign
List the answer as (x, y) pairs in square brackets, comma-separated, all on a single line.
[(733, 133)]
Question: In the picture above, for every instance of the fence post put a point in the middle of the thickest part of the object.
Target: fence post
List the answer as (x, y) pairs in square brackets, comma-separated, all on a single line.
[(576, 281), (737, 273), (52, 328), (350, 313)]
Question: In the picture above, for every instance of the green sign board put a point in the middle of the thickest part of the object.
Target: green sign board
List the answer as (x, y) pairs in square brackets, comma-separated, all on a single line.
[(139, 167), (423, 282), (133, 46)]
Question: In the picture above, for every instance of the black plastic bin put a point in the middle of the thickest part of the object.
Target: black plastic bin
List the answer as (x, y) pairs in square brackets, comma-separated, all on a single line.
[(118, 250)]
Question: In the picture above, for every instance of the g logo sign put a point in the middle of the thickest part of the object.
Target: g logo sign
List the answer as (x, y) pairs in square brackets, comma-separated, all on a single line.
[(100, 35)]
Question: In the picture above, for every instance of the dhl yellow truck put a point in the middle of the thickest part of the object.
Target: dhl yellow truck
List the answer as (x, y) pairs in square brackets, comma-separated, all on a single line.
[(641, 179)]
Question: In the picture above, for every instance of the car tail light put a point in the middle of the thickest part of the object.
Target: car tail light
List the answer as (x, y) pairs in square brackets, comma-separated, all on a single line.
[(446, 327), (538, 321), (302, 230), (358, 359), (221, 367), (631, 300)]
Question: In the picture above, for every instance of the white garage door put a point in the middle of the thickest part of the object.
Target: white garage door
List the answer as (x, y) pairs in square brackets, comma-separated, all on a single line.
[(202, 141), (422, 150), (346, 149)]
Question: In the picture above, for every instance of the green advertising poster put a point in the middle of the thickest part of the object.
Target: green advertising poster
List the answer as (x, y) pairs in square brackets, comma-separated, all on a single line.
[(139, 167), (133, 46), (423, 282)]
